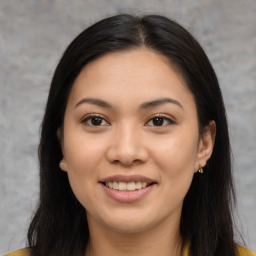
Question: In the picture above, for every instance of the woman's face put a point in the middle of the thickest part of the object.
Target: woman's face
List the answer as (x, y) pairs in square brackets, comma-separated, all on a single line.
[(130, 142)]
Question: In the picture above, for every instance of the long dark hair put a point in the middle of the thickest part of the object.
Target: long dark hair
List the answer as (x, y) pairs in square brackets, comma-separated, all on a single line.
[(59, 226)]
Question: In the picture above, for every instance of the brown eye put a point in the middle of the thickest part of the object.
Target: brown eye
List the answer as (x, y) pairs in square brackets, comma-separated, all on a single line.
[(160, 121), (95, 121)]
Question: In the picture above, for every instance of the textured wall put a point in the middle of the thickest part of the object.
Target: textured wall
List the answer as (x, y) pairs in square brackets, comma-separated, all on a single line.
[(33, 35)]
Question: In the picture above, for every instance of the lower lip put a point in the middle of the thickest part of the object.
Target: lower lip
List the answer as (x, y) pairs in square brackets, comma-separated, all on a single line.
[(127, 196)]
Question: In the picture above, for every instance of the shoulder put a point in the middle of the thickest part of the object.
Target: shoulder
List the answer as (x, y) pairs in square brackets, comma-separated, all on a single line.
[(21, 252), (241, 251), (244, 252)]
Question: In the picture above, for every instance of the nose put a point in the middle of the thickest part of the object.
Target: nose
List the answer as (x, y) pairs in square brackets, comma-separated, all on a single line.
[(127, 146)]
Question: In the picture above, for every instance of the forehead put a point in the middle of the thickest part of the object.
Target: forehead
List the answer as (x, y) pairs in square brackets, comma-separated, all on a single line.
[(140, 73), (131, 62)]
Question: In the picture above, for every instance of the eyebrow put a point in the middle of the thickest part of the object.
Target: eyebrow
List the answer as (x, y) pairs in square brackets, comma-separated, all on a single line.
[(92, 101), (149, 104), (158, 102)]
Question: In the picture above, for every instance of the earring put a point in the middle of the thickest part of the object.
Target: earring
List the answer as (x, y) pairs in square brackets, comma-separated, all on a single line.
[(201, 170), (61, 163)]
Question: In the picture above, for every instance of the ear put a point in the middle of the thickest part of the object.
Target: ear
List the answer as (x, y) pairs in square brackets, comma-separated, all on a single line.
[(205, 145), (63, 165)]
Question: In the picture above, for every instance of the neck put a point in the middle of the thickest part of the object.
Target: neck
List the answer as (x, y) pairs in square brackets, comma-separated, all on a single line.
[(156, 241)]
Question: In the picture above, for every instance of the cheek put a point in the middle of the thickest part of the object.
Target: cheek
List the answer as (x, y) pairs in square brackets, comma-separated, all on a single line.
[(83, 157), (83, 152), (175, 157), (177, 152)]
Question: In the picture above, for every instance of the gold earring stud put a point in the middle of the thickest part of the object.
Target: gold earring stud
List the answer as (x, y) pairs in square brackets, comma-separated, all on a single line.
[(201, 170)]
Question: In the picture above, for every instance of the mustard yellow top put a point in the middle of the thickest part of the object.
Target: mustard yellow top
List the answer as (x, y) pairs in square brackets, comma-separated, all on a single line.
[(22, 252), (241, 252)]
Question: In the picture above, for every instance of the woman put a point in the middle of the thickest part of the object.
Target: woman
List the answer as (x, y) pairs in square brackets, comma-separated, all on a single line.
[(134, 152)]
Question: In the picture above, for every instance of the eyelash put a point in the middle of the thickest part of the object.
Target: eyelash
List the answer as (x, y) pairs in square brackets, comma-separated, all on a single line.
[(163, 118)]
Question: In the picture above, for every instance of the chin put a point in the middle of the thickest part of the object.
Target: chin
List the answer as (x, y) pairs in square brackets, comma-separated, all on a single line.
[(130, 223)]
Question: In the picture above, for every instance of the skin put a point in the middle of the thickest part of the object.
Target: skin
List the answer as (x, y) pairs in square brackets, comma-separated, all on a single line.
[(128, 142)]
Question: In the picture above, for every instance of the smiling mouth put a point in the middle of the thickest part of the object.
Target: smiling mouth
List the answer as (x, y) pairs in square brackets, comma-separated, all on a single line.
[(127, 186)]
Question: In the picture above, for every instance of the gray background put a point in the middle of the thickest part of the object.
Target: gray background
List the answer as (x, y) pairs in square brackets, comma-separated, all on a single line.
[(33, 35)]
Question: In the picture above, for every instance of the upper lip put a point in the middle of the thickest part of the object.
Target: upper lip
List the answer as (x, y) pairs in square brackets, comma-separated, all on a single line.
[(127, 178)]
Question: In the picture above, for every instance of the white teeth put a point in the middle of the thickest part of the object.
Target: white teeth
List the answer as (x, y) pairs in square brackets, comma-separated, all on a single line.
[(138, 185), (131, 186), (115, 185), (122, 186), (110, 184), (126, 186)]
